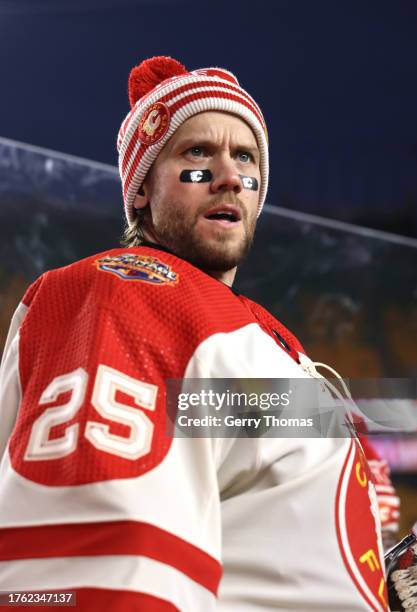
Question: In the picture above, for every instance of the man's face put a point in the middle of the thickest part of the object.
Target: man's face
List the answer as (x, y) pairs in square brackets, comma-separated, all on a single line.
[(186, 216)]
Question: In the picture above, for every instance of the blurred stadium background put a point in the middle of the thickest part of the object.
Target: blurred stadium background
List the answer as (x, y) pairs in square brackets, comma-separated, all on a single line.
[(335, 256)]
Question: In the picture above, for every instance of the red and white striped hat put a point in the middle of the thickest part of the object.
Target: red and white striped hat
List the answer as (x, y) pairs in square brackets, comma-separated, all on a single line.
[(163, 94)]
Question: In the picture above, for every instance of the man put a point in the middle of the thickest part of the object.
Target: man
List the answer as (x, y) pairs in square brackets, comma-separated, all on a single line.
[(95, 498)]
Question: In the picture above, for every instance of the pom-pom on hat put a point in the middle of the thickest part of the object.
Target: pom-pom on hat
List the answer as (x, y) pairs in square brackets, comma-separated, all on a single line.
[(163, 94)]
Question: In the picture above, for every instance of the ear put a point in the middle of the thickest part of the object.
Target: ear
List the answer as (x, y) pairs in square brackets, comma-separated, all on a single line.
[(141, 199)]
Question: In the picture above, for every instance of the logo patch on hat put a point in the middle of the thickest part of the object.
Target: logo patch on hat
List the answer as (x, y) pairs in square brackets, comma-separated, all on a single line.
[(138, 267), (154, 123)]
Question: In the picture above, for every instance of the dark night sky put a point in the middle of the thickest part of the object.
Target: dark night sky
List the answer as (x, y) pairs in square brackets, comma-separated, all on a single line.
[(336, 82)]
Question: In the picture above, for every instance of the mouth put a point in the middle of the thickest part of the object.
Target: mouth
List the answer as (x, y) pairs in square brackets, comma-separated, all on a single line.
[(224, 215)]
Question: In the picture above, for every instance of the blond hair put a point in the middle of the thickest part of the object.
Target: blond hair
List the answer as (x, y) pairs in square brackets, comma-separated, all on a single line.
[(133, 234)]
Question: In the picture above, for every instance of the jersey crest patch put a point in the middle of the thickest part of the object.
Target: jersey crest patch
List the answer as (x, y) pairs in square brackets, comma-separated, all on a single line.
[(358, 532), (138, 267)]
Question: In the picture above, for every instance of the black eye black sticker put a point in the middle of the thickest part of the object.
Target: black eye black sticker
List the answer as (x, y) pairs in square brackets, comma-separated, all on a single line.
[(205, 176), (196, 176), (249, 182)]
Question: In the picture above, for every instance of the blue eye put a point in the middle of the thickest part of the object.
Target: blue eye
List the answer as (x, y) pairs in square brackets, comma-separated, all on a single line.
[(196, 151), (244, 157)]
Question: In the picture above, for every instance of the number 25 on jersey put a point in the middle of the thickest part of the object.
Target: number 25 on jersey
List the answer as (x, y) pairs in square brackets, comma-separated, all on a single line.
[(108, 382)]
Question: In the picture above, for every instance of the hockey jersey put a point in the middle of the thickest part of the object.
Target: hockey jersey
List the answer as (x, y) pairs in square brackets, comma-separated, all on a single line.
[(96, 498)]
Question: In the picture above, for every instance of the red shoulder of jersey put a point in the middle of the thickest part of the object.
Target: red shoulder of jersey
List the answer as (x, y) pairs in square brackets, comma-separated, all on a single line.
[(31, 291), (274, 328), (159, 284)]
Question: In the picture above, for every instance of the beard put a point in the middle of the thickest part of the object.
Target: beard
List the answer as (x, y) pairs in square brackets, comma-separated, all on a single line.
[(220, 252)]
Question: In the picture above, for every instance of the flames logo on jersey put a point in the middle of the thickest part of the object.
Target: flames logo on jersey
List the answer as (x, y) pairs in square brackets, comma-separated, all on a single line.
[(358, 529), (138, 267)]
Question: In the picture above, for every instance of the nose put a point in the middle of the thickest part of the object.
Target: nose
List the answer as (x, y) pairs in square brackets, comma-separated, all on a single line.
[(225, 176)]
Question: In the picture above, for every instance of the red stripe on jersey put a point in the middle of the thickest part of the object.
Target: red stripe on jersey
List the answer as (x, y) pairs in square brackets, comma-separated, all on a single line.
[(114, 601), (111, 538), (110, 600)]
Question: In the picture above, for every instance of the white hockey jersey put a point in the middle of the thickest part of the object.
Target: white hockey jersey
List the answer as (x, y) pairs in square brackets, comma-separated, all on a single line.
[(95, 498)]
